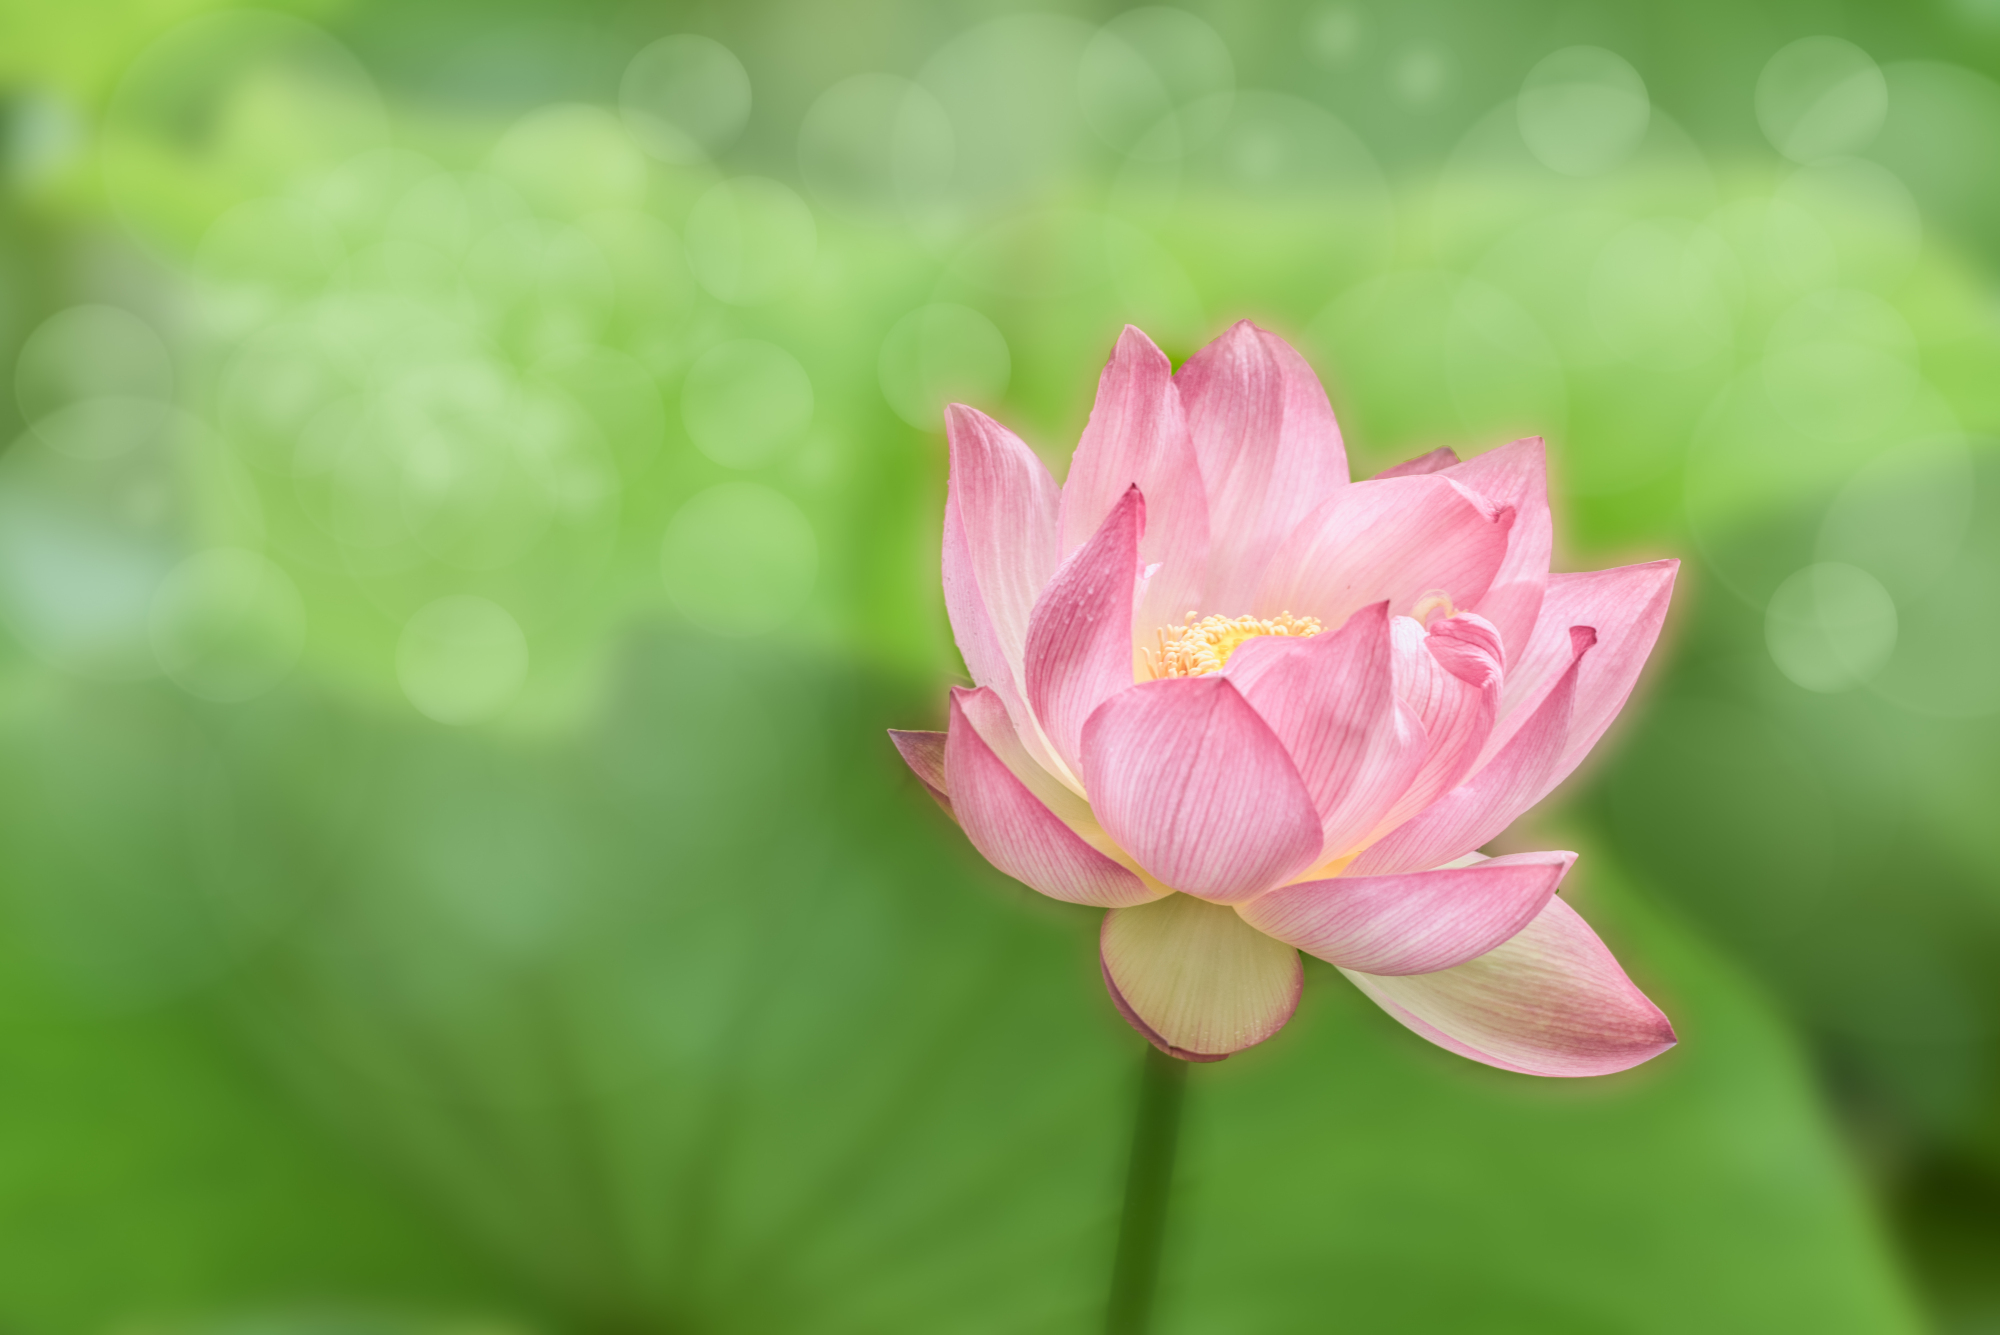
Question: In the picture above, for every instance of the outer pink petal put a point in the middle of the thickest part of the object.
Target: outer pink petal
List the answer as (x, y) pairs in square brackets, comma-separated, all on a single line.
[(1515, 476), (1000, 548), (1551, 1001), (1189, 780), (1393, 540), (1487, 803), (1138, 436), (1331, 699), (1444, 456), (1415, 923), (1013, 828), (1080, 634), (923, 752), (1626, 607), (1194, 979), (1269, 450)]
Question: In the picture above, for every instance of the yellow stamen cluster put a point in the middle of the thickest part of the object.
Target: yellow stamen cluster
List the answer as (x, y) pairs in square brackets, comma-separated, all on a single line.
[(1197, 648)]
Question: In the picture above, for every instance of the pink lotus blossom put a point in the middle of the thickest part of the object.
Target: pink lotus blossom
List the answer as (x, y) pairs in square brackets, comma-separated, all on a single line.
[(1250, 708)]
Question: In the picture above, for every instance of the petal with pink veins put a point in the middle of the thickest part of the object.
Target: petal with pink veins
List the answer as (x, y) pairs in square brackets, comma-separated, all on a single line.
[(1444, 456), (1015, 829), (1194, 785), (1269, 450), (1331, 699), (1195, 979), (1418, 922), (1001, 516), (1394, 541), (1627, 607), (1080, 634), (1550, 1001), (1138, 436), (1450, 677), (1518, 777), (1515, 476), (923, 752)]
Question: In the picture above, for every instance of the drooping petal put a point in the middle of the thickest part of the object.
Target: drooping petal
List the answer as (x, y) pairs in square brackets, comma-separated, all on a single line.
[(1195, 979), (1394, 540), (1444, 456), (1626, 606), (1189, 780), (1331, 699), (1487, 802), (1269, 451), (1080, 633), (923, 752), (1138, 436), (1550, 1001), (1419, 922), (1001, 516), (1014, 828), (1515, 477)]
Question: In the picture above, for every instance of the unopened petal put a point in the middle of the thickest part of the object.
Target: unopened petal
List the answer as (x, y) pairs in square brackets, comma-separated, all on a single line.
[(1195, 979), (1551, 1001), (1269, 450), (1015, 829), (1190, 781), (1418, 922), (1080, 634), (1138, 436)]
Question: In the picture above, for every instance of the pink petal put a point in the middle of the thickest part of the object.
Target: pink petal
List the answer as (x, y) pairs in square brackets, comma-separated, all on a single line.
[(1455, 704), (1138, 436), (1189, 780), (1394, 540), (1194, 979), (1551, 1001), (1487, 803), (1080, 634), (923, 752), (1444, 456), (1331, 699), (1000, 548), (1626, 607), (1419, 922), (1269, 451), (1015, 828), (1515, 476)]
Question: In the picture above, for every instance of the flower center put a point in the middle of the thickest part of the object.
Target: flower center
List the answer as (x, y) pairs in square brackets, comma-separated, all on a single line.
[(1197, 648)]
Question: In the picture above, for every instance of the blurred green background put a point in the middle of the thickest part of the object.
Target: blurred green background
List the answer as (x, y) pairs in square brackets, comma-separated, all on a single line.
[(470, 508)]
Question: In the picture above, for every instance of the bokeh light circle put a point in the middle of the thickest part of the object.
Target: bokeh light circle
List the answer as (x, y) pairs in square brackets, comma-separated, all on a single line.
[(1830, 627), (227, 624), (1583, 110), (880, 147), (1821, 97), (570, 159), (1154, 82), (461, 659), (750, 240), (940, 354), (1840, 365), (94, 381), (685, 98), (745, 402), (739, 559)]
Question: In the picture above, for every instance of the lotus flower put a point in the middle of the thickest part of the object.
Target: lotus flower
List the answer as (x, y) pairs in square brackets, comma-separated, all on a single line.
[(1251, 708)]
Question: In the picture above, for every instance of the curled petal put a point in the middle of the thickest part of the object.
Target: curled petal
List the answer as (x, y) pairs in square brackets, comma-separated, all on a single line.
[(1015, 829), (1418, 922), (1194, 979), (1138, 436), (1514, 477), (1189, 780), (1268, 447), (1550, 1001), (1331, 699), (923, 752), (1080, 634), (1000, 547), (1455, 695), (1395, 541), (1487, 803), (1443, 457)]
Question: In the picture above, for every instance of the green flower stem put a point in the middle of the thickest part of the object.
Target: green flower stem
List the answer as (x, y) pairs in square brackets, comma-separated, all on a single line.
[(1149, 1185)]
